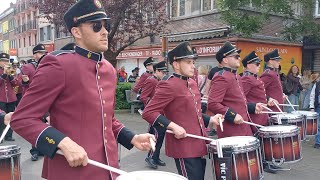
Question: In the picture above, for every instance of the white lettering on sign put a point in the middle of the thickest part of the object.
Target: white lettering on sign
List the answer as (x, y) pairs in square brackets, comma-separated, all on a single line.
[(266, 50), (132, 54), (156, 53), (208, 49)]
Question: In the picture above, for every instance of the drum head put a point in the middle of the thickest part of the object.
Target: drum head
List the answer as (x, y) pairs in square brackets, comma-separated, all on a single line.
[(9, 151), (309, 114), (287, 117), (279, 129), (238, 141), (147, 175)]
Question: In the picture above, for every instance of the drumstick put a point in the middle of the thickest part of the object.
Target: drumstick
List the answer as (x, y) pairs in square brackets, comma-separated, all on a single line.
[(4, 132), (253, 124), (100, 165), (290, 103), (267, 112), (195, 136), (221, 125), (265, 107), (278, 107), (153, 144)]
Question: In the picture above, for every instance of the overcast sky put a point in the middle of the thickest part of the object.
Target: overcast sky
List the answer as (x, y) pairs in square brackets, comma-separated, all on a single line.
[(5, 4)]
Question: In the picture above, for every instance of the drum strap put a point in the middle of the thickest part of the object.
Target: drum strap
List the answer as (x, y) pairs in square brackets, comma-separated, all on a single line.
[(225, 165)]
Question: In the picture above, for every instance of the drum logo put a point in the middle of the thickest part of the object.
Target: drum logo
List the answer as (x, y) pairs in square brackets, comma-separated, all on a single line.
[(252, 162), (295, 144)]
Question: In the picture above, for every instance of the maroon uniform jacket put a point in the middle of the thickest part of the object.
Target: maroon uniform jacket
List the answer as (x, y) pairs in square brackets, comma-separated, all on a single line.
[(148, 89), (29, 70), (7, 83), (272, 84), (179, 98), (78, 90), (226, 97), (143, 77), (254, 91)]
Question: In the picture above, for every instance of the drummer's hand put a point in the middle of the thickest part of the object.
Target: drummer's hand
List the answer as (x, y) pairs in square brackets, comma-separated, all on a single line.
[(142, 141), (259, 107), (75, 154), (272, 102), (178, 131), (238, 119), (7, 118), (214, 120)]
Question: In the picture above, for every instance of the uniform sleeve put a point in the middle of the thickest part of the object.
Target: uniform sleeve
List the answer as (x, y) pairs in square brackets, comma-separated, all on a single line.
[(147, 90), (206, 119), (26, 121), (219, 86), (140, 83), (162, 97)]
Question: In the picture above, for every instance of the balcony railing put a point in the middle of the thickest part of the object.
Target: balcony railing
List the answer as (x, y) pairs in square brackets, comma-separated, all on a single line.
[(32, 25)]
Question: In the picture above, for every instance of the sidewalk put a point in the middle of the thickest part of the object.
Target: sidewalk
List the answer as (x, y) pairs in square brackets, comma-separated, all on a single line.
[(307, 169)]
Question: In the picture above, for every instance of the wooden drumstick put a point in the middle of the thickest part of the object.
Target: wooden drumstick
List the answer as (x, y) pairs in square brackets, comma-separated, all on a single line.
[(221, 125), (278, 107), (267, 112), (153, 144), (4, 132), (195, 136), (265, 107), (253, 124), (290, 103), (100, 165)]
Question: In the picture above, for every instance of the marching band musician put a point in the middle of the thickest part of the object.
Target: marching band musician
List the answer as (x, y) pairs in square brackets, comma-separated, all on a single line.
[(255, 92), (271, 78), (148, 90), (7, 95), (148, 64), (78, 89), (178, 98), (226, 95)]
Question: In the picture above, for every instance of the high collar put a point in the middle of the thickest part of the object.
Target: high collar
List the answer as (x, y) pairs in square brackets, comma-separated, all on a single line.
[(156, 77), (180, 76), (149, 72), (252, 74), (37, 63), (88, 54), (230, 70), (273, 69)]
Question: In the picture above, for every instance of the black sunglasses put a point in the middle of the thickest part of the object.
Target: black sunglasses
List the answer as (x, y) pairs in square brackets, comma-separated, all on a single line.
[(97, 26)]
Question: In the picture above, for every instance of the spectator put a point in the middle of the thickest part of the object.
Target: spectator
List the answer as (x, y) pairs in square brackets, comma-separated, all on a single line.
[(314, 107), (294, 78), (305, 82), (122, 74), (135, 73), (202, 78)]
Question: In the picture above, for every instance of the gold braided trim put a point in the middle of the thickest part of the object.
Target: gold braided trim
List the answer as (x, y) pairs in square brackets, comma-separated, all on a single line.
[(90, 14)]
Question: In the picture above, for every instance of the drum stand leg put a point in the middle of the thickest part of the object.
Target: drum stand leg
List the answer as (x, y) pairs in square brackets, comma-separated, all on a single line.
[(274, 162)]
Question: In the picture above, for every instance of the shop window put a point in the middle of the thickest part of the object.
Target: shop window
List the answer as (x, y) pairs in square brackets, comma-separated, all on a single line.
[(185, 8), (317, 8)]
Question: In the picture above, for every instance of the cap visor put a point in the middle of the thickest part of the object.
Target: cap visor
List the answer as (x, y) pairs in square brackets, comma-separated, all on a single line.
[(98, 19)]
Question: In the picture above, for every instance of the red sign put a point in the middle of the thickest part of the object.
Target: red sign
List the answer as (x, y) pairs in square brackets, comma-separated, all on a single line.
[(13, 52), (49, 47), (202, 50)]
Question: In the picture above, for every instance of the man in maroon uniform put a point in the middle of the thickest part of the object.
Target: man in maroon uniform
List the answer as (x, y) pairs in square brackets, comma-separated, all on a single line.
[(226, 95), (78, 89), (271, 79), (29, 69), (178, 98), (253, 87), (148, 90), (8, 97), (148, 64)]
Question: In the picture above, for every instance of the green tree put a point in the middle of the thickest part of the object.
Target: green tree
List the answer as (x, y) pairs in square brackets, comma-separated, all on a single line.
[(247, 17)]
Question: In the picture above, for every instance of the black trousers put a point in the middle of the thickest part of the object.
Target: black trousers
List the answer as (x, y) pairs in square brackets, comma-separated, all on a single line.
[(159, 133), (191, 168), (7, 107), (19, 96)]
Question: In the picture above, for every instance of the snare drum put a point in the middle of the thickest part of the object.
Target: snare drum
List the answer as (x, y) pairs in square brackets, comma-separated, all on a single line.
[(246, 157), (280, 144), (311, 121), (291, 119), (147, 175), (10, 162)]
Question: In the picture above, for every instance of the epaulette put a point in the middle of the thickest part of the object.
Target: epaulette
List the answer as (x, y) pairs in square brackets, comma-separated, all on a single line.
[(221, 72), (60, 52), (167, 77)]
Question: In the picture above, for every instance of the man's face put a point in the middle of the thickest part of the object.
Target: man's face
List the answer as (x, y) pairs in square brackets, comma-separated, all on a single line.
[(38, 55), (275, 63), (93, 36), (233, 61), (253, 68), (184, 67), (160, 74), (150, 68)]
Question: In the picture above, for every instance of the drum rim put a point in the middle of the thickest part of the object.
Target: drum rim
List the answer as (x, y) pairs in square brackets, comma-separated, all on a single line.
[(254, 145), (9, 151), (152, 171)]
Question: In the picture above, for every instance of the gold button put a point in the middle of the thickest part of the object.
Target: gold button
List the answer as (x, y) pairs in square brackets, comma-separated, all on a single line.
[(105, 128), (101, 89), (104, 115), (98, 77), (103, 102), (98, 65)]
